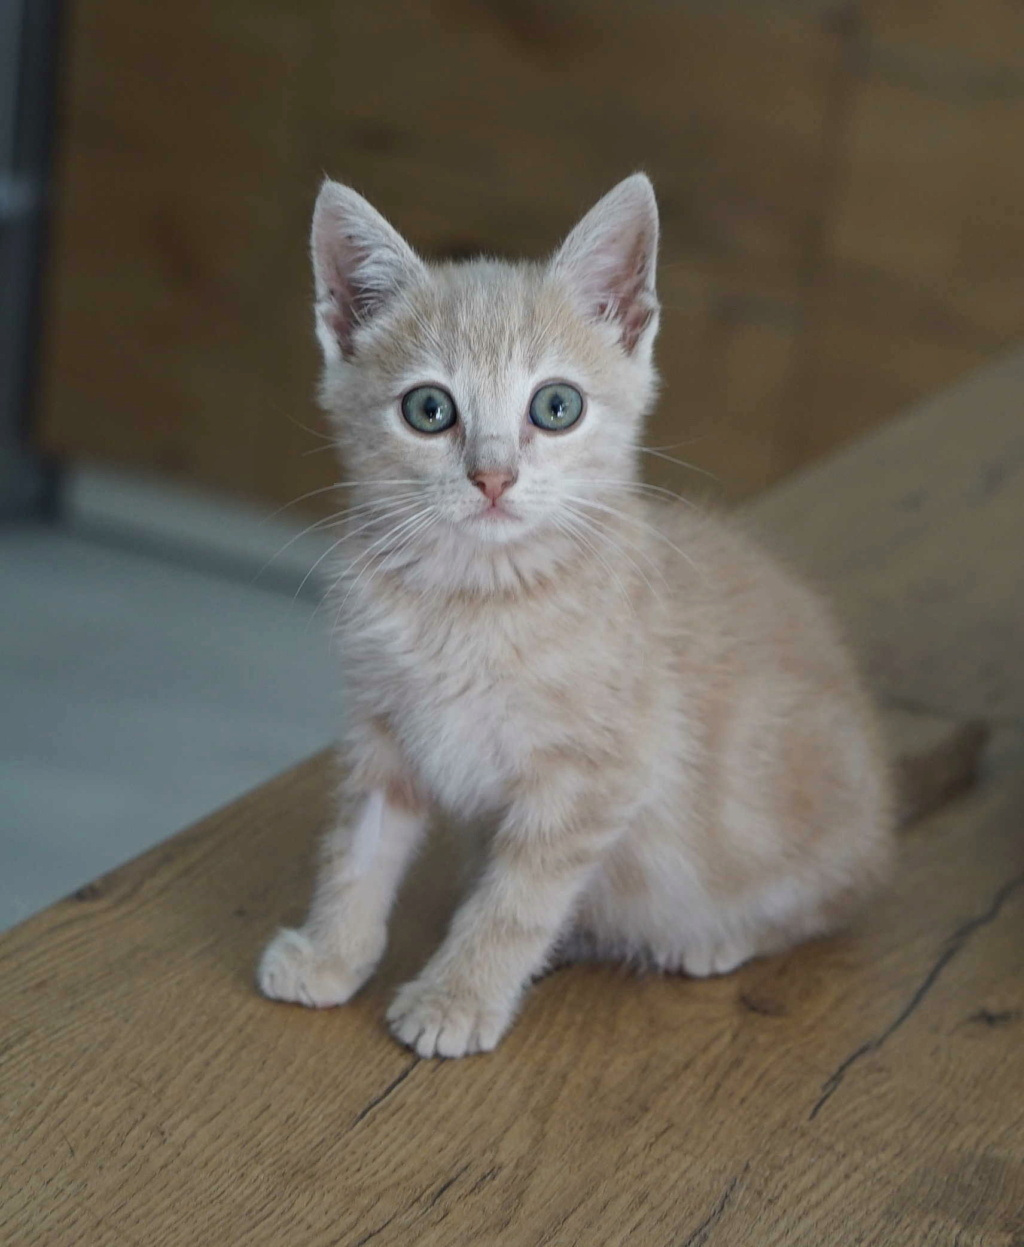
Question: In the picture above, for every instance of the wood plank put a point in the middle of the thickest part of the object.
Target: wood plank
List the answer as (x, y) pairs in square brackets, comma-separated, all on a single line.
[(865, 1089), (917, 532), (989, 32), (151, 1091), (922, 259), (929, 196)]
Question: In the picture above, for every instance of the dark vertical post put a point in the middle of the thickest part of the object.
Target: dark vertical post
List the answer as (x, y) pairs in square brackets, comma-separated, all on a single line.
[(28, 55)]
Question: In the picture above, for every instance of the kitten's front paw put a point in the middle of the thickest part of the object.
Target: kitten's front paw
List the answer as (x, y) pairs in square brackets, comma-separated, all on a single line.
[(436, 1021), (292, 969)]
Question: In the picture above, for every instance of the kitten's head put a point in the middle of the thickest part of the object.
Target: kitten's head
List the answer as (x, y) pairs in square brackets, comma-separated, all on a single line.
[(488, 399)]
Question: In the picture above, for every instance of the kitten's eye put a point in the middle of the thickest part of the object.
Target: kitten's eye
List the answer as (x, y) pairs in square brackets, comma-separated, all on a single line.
[(429, 409), (555, 407)]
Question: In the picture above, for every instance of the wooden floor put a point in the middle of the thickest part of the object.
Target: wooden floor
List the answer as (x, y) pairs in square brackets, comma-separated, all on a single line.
[(868, 1089)]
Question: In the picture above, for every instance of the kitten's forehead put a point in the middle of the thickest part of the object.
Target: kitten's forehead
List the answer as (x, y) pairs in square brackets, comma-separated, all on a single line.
[(488, 318)]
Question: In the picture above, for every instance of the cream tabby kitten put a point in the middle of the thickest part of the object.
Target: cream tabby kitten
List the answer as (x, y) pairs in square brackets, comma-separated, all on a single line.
[(679, 758)]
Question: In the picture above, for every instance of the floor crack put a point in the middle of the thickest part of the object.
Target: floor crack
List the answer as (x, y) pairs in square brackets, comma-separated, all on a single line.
[(703, 1231), (954, 945), (395, 1082), (444, 1187), (379, 1230)]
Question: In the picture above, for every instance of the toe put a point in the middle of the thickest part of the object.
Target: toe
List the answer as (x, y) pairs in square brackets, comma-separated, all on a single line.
[(435, 1022)]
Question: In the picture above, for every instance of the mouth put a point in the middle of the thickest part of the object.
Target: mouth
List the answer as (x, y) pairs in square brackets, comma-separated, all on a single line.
[(495, 523), (493, 513)]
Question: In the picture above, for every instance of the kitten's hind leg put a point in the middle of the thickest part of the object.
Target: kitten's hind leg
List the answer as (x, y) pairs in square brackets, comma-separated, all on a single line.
[(328, 959), (577, 945)]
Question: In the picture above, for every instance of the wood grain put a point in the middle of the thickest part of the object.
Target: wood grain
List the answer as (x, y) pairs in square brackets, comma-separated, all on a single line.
[(867, 1089)]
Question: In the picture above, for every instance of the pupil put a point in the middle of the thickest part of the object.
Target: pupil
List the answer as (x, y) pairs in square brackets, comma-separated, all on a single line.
[(557, 406), (431, 408)]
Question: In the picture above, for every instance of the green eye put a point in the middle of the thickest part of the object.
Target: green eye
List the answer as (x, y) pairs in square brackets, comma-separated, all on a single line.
[(556, 406), (429, 409)]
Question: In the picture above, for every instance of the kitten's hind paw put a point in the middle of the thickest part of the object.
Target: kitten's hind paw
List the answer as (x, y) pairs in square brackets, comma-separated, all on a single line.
[(292, 969), (435, 1021), (711, 960)]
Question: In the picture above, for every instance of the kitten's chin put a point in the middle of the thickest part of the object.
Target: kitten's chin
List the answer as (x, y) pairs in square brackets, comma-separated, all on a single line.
[(495, 526)]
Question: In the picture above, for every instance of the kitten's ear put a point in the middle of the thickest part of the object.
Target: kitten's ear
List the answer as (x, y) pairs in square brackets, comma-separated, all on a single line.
[(610, 259), (359, 263)]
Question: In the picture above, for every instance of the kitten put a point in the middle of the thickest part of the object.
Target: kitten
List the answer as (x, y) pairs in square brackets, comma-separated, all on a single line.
[(680, 759)]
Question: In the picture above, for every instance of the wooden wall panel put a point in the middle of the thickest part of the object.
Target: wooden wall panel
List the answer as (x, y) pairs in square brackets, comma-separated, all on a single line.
[(924, 275), (823, 263), (967, 34)]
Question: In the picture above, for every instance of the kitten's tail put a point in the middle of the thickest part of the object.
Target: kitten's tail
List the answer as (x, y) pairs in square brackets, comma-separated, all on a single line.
[(935, 759)]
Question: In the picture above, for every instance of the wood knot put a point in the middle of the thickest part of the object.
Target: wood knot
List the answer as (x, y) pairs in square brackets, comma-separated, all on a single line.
[(763, 1004), (995, 1017)]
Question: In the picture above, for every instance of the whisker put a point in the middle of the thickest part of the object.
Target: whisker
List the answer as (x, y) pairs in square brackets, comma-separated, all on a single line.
[(326, 489), (339, 517), (324, 437), (397, 510), (600, 506), (407, 540), (616, 540), (641, 486), (650, 450), (401, 528), (584, 539), (388, 536), (349, 567)]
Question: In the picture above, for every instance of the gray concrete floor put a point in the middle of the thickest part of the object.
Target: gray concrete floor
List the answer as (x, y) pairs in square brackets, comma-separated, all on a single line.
[(148, 673)]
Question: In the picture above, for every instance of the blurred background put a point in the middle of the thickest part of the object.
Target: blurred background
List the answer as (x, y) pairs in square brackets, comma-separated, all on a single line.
[(841, 186)]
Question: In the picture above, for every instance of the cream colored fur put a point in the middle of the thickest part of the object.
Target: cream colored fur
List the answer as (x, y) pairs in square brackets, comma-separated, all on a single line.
[(675, 749)]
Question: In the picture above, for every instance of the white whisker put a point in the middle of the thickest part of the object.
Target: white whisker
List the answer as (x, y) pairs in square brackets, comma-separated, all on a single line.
[(326, 489), (627, 484), (329, 521), (650, 450), (617, 540), (600, 506), (399, 530), (376, 519), (584, 539)]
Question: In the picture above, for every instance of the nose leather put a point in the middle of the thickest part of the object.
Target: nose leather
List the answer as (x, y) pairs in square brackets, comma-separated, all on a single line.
[(492, 484)]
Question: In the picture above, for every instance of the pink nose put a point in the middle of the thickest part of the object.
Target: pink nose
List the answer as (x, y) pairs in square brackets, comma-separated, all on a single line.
[(492, 484)]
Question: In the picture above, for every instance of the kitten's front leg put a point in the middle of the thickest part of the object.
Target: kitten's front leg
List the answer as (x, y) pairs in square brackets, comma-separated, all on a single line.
[(541, 859), (331, 956)]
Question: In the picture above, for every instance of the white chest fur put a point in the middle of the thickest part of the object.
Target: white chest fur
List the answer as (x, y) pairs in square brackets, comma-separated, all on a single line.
[(470, 695)]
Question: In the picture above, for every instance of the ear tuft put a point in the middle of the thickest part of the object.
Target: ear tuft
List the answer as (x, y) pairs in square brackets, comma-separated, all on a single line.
[(359, 263), (610, 261)]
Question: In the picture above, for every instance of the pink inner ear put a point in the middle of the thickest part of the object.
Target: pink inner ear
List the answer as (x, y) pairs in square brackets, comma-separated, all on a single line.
[(339, 324), (609, 259), (338, 259), (360, 263), (636, 320), (632, 303)]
